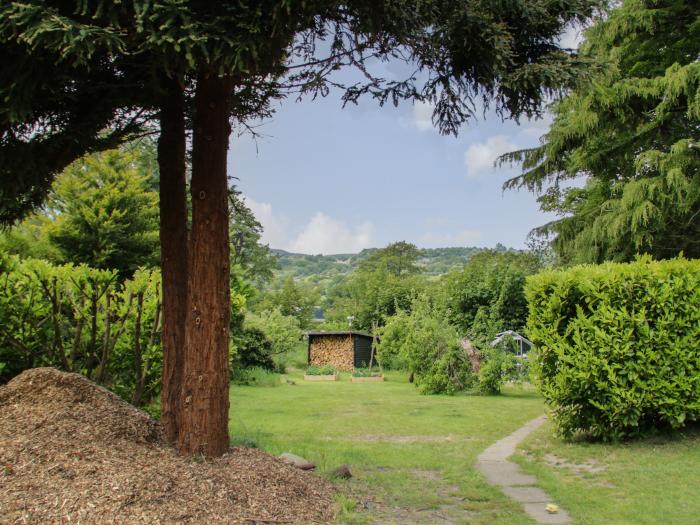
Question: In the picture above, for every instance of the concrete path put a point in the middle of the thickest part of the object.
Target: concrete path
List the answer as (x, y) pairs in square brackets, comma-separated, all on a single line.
[(494, 465)]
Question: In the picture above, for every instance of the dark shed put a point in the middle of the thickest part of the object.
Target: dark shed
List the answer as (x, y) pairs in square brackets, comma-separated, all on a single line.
[(344, 350)]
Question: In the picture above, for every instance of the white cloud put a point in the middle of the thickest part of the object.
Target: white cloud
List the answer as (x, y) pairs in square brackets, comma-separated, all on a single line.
[(274, 227), (325, 235), (441, 240), (571, 38), (321, 234), (423, 115), (479, 157)]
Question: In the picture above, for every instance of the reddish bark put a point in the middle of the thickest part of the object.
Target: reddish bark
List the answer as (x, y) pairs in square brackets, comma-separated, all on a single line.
[(173, 251), (203, 422)]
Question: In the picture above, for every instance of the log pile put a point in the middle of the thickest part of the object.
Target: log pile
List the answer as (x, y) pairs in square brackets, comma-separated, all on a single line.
[(333, 350)]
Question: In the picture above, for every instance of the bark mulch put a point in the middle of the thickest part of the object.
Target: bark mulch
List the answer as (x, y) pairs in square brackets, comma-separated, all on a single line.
[(73, 452)]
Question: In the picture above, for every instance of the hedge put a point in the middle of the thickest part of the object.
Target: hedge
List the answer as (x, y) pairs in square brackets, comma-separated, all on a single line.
[(81, 319), (618, 346)]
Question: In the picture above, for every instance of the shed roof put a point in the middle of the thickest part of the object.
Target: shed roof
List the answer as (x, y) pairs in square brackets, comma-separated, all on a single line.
[(342, 332)]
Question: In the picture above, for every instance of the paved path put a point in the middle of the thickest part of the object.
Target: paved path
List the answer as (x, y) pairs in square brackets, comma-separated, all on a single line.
[(494, 465)]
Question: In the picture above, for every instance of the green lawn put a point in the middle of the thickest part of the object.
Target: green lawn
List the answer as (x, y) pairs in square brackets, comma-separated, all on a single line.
[(411, 456), (652, 481)]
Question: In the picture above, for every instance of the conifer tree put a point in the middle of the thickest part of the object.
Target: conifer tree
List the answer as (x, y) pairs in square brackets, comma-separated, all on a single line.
[(632, 132), (196, 65)]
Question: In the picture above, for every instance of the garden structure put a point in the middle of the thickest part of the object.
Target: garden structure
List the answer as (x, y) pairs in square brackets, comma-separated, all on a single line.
[(343, 350), (524, 344)]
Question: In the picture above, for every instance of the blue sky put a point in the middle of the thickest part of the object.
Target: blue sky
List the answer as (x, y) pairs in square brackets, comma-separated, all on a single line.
[(327, 179)]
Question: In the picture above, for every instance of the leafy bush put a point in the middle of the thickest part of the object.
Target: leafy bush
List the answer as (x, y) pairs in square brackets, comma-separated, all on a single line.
[(490, 286), (80, 319), (428, 346), (282, 331), (497, 366), (393, 336), (617, 344), (251, 348), (321, 370)]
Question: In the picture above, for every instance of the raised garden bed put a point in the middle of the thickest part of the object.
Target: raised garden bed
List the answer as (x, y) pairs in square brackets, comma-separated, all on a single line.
[(321, 373), (329, 377), (368, 379)]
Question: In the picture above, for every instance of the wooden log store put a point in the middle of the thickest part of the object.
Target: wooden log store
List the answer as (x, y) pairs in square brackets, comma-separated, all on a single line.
[(343, 350)]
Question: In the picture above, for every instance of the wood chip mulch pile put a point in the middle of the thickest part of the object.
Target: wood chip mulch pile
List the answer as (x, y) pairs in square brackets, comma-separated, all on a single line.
[(73, 452)]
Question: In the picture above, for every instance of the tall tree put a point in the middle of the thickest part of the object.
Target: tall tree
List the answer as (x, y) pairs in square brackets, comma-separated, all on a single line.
[(399, 258), (632, 132), (230, 59), (247, 250), (105, 215)]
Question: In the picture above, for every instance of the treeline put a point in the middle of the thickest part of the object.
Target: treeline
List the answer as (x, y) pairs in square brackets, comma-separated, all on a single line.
[(321, 270)]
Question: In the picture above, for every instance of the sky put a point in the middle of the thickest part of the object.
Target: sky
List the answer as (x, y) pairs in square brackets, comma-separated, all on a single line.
[(323, 179)]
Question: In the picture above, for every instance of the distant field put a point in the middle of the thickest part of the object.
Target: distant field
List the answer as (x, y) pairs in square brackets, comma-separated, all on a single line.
[(411, 456)]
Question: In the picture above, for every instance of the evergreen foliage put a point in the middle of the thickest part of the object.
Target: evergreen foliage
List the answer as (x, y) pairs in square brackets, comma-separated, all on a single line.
[(117, 58), (632, 132), (105, 214), (617, 346), (102, 212)]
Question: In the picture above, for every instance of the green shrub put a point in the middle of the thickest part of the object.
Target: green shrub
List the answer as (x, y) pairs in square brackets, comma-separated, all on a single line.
[(321, 370), (617, 346), (81, 319), (493, 373), (282, 331), (392, 338), (426, 345), (251, 348)]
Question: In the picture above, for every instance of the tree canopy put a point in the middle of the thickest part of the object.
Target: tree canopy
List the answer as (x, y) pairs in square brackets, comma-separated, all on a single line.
[(632, 132), (116, 57)]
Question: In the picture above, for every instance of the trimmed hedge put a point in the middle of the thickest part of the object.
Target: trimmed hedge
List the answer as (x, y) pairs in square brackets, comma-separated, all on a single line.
[(618, 346)]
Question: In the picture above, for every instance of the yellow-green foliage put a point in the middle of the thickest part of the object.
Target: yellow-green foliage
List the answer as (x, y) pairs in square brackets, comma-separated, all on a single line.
[(84, 320), (617, 345)]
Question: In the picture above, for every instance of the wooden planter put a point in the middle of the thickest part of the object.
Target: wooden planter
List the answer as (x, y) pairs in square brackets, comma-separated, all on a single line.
[(333, 377), (370, 379)]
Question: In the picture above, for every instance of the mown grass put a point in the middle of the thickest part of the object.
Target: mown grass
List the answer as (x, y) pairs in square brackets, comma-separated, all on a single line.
[(645, 482), (411, 456)]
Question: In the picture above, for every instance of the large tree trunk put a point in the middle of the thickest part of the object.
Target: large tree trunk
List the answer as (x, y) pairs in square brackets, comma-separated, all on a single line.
[(173, 251), (203, 425)]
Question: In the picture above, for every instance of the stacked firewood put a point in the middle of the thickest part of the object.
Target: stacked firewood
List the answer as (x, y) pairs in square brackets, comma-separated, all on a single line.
[(333, 350)]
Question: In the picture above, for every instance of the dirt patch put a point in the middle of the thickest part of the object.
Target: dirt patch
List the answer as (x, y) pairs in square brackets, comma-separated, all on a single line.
[(72, 452), (588, 467)]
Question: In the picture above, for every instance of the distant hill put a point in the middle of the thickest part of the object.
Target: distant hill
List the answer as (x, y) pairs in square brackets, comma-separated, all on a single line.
[(324, 268)]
